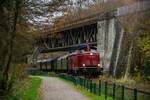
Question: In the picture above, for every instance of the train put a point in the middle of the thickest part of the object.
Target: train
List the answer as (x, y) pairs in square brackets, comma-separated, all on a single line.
[(84, 60)]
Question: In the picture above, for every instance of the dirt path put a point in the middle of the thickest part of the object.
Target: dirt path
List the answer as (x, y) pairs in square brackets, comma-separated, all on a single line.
[(55, 89)]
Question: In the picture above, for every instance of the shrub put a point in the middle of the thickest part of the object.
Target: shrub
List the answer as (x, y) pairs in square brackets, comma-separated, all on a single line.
[(9, 86), (147, 69)]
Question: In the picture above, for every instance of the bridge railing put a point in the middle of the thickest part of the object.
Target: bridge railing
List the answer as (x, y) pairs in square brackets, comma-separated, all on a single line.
[(107, 89)]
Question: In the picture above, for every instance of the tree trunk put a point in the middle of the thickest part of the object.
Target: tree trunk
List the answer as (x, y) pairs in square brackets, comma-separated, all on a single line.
[(11, 41)]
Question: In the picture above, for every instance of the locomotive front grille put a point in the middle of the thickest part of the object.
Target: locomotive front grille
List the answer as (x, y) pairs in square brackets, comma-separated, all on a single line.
[(88, 62), (94, 62)]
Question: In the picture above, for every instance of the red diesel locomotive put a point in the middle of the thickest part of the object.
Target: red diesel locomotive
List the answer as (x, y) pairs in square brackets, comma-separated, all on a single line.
[(85, 60)]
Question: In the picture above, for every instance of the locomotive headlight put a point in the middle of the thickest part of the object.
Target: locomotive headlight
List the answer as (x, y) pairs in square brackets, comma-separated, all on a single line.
[(91, 53), (99, 65), (83, 64)]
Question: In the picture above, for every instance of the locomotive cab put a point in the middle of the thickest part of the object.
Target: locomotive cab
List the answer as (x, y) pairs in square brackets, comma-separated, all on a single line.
[(89, 59), (90, 56)]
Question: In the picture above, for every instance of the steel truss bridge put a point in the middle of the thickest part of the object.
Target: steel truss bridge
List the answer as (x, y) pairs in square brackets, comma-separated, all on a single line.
[(72, 36)]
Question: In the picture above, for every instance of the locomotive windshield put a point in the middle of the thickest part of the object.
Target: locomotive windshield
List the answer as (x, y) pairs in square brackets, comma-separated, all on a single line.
[(83, 49), (93, 49)]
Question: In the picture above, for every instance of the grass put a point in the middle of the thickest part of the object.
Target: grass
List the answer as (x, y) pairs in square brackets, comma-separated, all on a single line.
[(91, 95), (32, 91), (85, 92)]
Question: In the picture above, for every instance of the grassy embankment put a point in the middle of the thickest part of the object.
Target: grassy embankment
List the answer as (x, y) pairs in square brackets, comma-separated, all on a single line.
[(85, 92), (31, 92), (91, 95)]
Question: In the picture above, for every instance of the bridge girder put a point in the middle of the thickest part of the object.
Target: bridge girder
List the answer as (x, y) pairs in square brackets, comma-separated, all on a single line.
[(67, 39)]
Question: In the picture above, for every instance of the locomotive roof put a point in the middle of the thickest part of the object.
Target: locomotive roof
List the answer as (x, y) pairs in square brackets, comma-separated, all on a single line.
[(80, 46)]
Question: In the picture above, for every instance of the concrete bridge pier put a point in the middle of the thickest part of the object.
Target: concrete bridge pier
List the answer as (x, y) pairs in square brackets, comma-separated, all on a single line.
[(106, 39), (101, 40)]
